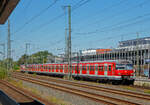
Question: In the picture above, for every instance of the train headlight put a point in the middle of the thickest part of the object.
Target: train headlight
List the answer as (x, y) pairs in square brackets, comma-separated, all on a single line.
[(132, 73), (119, 73)]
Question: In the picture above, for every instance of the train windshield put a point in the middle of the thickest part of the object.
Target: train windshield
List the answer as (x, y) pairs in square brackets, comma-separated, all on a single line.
[(124, 67), (129, 66)]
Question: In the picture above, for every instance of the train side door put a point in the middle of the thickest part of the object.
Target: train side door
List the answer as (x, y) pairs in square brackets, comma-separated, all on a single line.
[(80, 69), (83, 68), (88, 68), (96, 69), (109, 69), (105, 69), (92, 69)]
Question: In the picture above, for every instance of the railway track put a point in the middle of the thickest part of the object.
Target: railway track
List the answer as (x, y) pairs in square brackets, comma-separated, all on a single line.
[(98, 88), (93, 96), (21, 96)]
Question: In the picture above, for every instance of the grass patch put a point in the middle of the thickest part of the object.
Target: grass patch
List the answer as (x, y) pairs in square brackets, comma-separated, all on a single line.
[(34, 74), (145, 84), (147, 91), (129, 88), (35, 91)]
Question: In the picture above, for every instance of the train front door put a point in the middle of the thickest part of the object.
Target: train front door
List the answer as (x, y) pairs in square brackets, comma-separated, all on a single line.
[(105, 69)]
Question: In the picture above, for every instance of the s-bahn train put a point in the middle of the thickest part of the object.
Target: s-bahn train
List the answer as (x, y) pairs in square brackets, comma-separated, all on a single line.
[(114, 71)]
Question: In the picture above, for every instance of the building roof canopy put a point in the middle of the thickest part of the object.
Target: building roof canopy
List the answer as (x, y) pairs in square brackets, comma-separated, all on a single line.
[(6, 8)]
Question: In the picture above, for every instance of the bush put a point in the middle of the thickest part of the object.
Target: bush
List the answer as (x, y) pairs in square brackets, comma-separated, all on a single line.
[(3, 73)]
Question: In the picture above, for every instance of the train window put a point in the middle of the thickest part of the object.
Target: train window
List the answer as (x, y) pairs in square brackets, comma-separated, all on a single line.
[(58, 67), (65, 67), (105, 68), (55, 67), (96, 67), (100, 68), (52, 67), (87, 67), (114, 67), (129, 67), (46, 67), (61, 67), (120, 67), (109, 67), (73, 68), (83, 67), (91, 68)]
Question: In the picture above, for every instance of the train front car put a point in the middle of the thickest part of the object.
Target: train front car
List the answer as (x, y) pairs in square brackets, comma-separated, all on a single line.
[(126, 72)]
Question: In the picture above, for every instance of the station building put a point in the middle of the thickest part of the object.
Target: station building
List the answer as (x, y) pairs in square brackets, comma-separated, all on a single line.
[(136, 50)]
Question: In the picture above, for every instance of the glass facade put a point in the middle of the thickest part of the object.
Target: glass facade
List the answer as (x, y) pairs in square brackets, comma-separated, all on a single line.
[(134, 42)]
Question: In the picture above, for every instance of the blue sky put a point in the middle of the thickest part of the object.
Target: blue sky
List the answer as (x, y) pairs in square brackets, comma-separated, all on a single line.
[(96, 24)]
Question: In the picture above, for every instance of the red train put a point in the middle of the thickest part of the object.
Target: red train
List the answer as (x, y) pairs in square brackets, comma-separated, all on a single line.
[(114, 71)]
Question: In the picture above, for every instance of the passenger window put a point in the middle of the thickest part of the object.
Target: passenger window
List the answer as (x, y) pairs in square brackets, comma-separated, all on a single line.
[(55, 67), (109, 67), (75, 68), (105, 68), (65, 67), (58, 67), (91, 68), (96, 67), (81, 67), (50, 67), (88, 67), (114, 67), (102, 68), (61, 67)]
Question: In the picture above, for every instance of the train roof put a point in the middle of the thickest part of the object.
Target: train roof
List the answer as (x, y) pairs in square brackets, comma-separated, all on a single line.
[(116, 61)]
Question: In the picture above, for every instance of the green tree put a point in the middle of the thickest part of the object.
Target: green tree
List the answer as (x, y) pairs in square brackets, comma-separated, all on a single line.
[(36, 58)]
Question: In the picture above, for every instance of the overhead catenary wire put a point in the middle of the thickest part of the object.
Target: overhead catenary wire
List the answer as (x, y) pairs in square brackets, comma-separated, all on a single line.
[(76, 6), (114, 15), (106, 9), (55, 19), (113, 37), (80, 4), (122, 24), (124, 11), (35, 17)]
